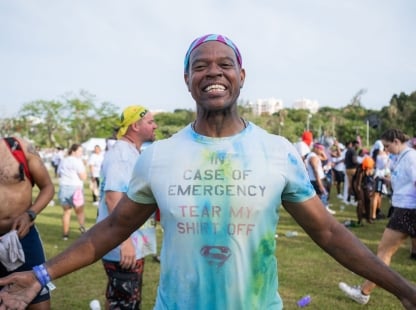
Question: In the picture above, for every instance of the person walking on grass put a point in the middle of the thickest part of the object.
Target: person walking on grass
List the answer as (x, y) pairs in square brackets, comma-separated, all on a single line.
[(364, 184), (94, 166), (124, 265), (316, 173), (72, 174), (402, 222), (219, 184)]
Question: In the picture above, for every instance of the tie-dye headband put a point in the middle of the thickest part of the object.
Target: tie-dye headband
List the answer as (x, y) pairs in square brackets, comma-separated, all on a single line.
[(211, 37)]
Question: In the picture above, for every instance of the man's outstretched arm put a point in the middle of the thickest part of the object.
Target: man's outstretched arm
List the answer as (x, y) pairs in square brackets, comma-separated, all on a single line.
[(20, 288)]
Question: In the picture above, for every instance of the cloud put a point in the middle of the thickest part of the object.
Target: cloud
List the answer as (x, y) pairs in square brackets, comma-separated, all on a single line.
[(132, 52)]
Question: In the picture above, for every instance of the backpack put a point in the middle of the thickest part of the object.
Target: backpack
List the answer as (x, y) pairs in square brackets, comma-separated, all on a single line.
[(19, 155)]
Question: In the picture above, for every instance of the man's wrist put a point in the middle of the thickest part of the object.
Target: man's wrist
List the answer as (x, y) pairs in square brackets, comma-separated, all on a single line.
[(32, 215), (42, 275)]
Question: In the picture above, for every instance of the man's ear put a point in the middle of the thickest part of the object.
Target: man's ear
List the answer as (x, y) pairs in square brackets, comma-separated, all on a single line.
[(242, 77), (186, 78)]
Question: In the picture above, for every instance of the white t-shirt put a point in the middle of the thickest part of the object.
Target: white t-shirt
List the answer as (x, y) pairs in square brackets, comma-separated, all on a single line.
[(219, 200), (403, 180), (339, 162), (95, 161), (68, 171), (302, 148)]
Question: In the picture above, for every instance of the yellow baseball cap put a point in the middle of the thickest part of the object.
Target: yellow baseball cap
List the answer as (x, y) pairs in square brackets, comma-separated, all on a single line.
[(130, 115)]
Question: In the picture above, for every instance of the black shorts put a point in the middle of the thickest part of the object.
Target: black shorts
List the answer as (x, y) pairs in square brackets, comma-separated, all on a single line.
[(379, 185), (34, 255), (403, 220), (339, 176)]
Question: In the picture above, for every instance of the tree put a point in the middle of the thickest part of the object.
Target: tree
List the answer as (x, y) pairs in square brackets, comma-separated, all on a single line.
[(56, 123), (401, 113), (43, 122)]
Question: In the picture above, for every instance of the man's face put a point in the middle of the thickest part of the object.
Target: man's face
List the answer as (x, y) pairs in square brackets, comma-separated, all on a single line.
[(147, 127), (214, 78)]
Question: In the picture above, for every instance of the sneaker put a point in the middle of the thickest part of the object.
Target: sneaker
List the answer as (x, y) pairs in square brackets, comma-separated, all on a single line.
[(65, 237), (380, 216), (330, 210), (354, 292), (95, 203), (82, 229), (339, 196)]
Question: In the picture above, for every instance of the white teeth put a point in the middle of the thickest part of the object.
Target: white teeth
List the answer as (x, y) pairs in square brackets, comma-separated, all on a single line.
[(215, 87)]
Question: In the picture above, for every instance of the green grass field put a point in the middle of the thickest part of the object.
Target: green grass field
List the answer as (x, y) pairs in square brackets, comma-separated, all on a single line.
[(304, 269)]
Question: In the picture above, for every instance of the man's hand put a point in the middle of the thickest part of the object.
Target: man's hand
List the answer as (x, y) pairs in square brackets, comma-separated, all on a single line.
[(22, 224), (127, 254), (19, 289)]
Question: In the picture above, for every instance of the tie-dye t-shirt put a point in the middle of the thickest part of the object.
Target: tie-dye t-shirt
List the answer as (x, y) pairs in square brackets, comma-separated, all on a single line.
[(116, 170), (219, 200)]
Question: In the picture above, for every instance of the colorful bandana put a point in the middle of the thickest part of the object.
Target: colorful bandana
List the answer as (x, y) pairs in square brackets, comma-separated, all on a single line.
[(129, 116), (211, 37)]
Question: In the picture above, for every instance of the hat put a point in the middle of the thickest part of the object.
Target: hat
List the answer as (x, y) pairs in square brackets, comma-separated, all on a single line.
[(211, 37), (129, 116), (307, 137), (319, 146), (368, 163)]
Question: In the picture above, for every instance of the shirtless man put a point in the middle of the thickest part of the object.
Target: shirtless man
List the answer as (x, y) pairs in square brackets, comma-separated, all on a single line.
[(18, 210)]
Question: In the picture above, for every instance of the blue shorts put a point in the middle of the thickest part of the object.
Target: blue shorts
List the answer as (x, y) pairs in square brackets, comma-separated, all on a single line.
[(65, 195), (34, 255)]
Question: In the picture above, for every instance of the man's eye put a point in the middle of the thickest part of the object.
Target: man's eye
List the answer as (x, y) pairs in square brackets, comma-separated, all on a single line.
[(199, 67), (227, 65)]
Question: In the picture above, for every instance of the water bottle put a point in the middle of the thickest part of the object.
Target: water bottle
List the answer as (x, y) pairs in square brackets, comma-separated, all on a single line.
[(304, 301), (291, 234), (95, 305)]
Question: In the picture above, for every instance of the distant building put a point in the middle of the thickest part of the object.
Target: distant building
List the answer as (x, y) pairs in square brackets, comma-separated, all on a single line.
[(266, 106), (307, 104)]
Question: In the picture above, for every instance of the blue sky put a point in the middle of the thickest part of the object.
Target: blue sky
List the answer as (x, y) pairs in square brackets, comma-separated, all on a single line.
[(131, 52)]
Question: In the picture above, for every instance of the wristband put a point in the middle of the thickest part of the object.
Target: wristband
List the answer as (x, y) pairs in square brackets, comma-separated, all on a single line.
[(43, 276)]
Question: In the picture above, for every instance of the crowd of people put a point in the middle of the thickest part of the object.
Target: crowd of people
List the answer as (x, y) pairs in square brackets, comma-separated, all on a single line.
[(359, 177), (219, 185), (388, 170)]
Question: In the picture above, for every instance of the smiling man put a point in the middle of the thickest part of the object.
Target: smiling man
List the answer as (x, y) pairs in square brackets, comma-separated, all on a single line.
[(218, 251)]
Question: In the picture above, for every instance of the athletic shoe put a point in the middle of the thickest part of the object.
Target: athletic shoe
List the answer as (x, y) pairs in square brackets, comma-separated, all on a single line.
[(330, 210), (354, 292), (82, 229), (65, 237), (339, 196)]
